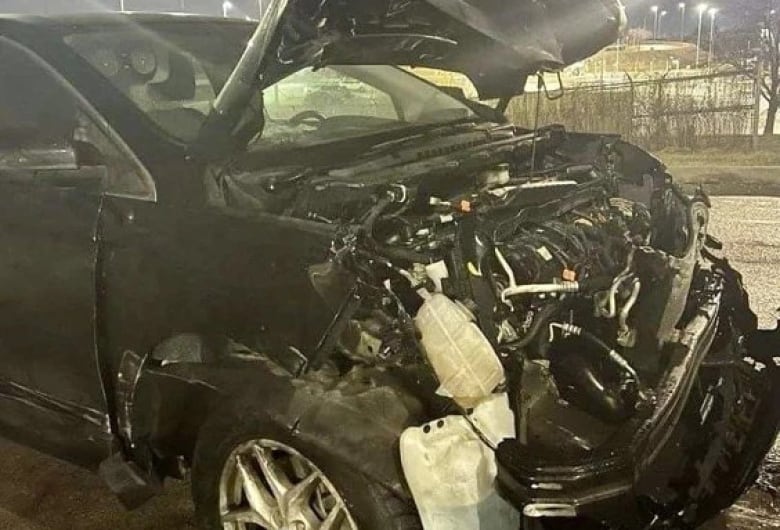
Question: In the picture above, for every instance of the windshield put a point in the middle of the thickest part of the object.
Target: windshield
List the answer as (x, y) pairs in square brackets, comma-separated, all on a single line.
[(341, 101), (173, 71)]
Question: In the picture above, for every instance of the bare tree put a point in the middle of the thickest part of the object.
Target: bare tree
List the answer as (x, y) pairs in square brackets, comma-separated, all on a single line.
[(757, 39), (770, 55)]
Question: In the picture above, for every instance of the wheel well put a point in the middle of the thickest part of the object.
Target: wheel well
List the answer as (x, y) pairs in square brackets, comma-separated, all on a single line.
[(358, 417), (160, 413)]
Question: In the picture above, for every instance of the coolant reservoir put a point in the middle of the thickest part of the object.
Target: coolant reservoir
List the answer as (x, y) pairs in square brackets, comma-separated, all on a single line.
[(465, 363)]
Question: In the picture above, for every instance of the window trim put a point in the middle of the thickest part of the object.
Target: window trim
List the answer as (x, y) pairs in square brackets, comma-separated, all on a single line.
[(98, 119)]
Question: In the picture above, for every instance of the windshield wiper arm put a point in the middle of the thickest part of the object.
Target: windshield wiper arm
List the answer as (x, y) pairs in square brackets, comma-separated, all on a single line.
[(426, 130)]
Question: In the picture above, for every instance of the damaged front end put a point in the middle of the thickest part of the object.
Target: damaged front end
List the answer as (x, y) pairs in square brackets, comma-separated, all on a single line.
[(595, 359)]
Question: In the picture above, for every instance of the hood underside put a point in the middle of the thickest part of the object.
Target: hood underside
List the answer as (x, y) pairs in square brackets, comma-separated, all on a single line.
[(497, 44)]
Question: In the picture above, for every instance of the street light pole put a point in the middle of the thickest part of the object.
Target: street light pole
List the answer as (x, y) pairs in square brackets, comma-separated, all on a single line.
[(654, 9), (122, 6), (226, 7), (713, 12), (682, 7), (660, 22), (702, 8)]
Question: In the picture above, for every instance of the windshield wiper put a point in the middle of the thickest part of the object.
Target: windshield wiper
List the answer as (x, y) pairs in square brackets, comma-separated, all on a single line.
[(426, 131)]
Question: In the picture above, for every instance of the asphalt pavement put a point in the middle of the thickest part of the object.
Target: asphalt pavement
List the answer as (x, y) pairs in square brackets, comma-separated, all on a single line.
[(40, 493), (750, 230)]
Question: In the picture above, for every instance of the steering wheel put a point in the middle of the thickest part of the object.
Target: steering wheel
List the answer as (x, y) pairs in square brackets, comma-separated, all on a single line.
[(311, 118)]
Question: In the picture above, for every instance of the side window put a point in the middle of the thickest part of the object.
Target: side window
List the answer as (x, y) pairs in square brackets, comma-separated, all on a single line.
[(40, 113), (329, 93), (33, 109), (95, 148)]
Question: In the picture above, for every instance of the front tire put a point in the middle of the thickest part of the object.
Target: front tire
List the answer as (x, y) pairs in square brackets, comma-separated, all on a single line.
[(251, 474)]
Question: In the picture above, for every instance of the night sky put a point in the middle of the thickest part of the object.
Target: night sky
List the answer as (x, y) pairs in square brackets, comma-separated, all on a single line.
[(211, 7), (639, 10)]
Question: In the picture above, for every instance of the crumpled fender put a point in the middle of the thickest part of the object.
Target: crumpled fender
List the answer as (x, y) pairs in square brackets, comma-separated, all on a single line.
[(763, 347), (357, 418)]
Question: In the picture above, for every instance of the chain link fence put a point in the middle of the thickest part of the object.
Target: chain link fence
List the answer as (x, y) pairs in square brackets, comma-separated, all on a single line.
[(667, 111)]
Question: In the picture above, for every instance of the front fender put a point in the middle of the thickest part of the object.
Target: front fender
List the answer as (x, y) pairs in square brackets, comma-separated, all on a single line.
[(358, 418)]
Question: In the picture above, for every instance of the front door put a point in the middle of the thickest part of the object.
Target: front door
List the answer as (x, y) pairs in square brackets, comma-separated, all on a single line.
[(52, 180)]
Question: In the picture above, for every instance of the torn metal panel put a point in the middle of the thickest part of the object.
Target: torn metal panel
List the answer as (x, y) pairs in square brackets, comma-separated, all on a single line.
[(130, 370), (678, 288), (132, 485), (357, 418)]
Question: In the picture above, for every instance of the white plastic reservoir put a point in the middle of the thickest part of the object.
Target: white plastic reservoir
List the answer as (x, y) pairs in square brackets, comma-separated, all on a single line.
[(451, 472), (465, 363)]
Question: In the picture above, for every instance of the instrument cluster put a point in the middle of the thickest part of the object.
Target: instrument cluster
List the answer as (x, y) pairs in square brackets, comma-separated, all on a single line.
[(137, 59)]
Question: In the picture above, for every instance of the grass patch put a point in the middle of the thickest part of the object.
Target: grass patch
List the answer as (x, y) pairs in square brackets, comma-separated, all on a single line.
[(719, 157)]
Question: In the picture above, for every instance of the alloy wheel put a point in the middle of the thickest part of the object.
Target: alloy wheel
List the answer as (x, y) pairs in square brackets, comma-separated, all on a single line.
[(268, 485)]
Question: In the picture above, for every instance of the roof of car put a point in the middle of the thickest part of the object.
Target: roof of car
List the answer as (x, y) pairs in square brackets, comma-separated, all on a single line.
[(82, 19)]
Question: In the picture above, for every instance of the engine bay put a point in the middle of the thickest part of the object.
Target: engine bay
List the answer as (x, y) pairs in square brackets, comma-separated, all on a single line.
[(564, 272)]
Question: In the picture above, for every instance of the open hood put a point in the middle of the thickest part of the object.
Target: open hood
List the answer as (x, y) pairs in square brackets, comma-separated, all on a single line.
[(496, 43)]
